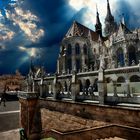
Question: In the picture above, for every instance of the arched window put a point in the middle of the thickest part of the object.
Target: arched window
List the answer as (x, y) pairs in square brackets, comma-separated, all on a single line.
[(78, 64), (77, 48), (135, 78), (85, 49), (69, 49), (69, 64), (120, 57), (131, 55), (121, 80)]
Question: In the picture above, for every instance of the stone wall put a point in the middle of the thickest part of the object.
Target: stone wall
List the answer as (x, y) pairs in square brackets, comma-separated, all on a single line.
[(65, 122), (113, 114), (43, 117)]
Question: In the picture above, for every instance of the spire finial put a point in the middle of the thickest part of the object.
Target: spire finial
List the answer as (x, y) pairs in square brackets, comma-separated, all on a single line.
[(108, 8), (98, 25), (96, 8)]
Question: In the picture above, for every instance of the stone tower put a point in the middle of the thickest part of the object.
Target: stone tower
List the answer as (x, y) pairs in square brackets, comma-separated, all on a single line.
[(98, 25), (110, 24)]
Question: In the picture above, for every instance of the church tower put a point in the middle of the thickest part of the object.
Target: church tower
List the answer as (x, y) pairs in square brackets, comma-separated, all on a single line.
[(110, 24), (98, 26)]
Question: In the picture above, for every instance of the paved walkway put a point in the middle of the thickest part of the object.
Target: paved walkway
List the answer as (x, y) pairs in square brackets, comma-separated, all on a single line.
[(10, 135)]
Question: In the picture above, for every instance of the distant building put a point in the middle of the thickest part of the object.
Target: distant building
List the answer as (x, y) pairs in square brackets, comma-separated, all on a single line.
[(11, 82)]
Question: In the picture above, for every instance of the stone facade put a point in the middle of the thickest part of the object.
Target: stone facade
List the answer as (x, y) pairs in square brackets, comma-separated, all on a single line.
[(81, 47)]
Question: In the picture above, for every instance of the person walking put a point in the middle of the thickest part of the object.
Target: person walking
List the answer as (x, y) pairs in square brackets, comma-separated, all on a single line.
[(3, 97)]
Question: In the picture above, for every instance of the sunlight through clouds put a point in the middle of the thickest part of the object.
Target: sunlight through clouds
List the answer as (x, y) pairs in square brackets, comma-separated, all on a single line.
[(5, 33), (89, 17), (32, 52), (27, 23)]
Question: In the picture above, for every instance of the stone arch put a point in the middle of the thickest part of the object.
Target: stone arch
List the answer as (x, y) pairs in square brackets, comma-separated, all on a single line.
[(135, 78), (131, 55), (121, 79), (77, 49), (120, 57), (69, 49)]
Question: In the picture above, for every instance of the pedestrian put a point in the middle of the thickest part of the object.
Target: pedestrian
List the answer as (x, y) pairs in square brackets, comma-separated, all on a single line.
[(3, 99)]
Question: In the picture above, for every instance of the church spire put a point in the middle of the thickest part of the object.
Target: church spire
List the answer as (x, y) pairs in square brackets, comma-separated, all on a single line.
[(98, 25), (108, 10), (110, 24)]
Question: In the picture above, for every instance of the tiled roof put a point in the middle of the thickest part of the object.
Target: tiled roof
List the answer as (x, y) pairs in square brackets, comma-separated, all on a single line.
[(78, 29)]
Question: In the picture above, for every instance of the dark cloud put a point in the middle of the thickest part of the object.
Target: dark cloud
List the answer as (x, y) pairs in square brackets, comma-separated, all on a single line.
[(131, 13), (55, 18)]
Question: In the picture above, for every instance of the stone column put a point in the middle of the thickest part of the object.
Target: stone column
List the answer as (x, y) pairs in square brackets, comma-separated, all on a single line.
[(127, 82), (28, 107), (58, 66), (64, 64), (75, 87), (33, 84), (56, 88), (102, 85), (114, 80), (43, 89)]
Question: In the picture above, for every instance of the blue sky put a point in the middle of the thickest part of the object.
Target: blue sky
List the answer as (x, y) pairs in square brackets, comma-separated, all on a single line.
[(36, 27)]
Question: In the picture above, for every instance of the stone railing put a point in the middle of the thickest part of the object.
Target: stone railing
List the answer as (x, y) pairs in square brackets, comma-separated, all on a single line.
[(87, 93)]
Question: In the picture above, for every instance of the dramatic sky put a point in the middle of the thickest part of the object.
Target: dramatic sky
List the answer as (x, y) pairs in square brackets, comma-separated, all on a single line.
[(36, 27)]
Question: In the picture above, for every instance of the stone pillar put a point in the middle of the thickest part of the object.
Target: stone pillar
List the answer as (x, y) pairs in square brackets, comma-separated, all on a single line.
[(28, 107), (102, 87), (114, 80), (127, 84), (64, 64), (43, 89), (56, 88), (33, 89), (58, 66), (75, 87)]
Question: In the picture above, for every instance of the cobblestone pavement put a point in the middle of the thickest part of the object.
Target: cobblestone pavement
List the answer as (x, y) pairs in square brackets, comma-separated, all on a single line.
[(10, 135)]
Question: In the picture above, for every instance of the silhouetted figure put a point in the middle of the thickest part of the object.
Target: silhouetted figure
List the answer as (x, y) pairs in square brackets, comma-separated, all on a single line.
[(3, 97)]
